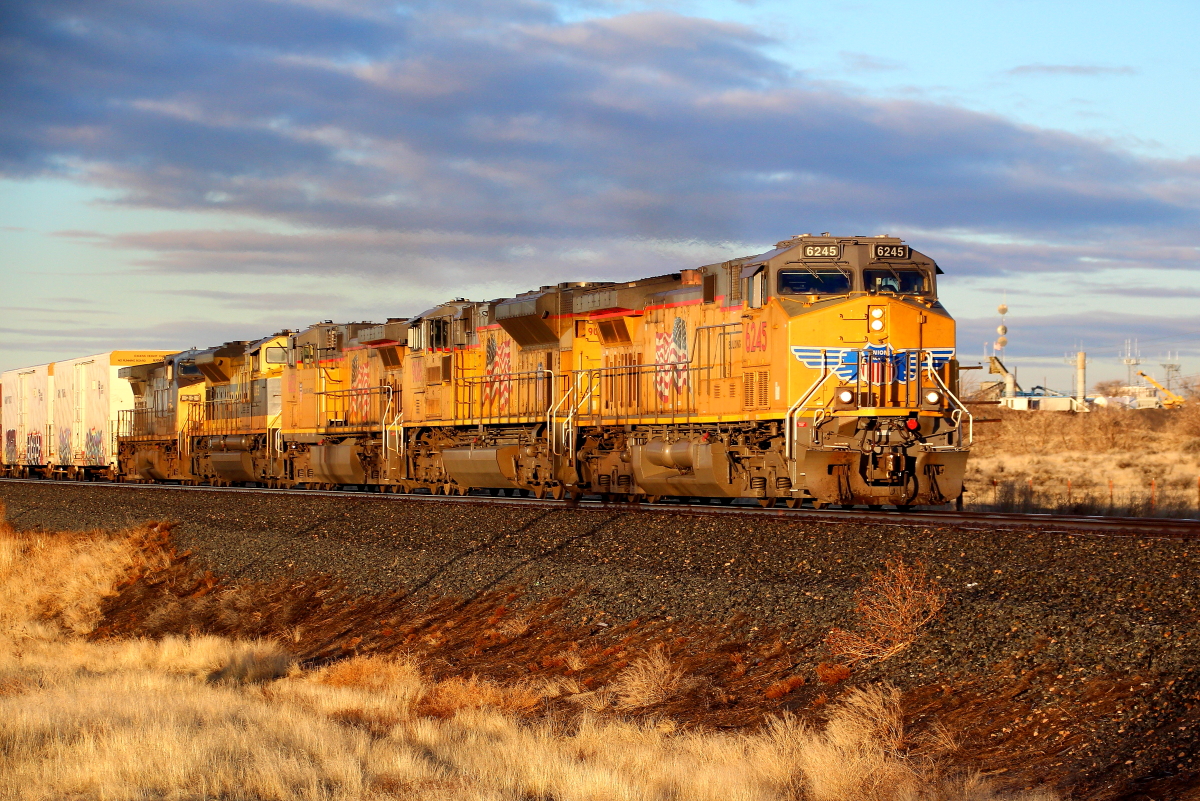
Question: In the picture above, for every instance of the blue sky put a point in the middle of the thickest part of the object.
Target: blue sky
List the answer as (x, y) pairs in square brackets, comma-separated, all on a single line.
[(177, 174)]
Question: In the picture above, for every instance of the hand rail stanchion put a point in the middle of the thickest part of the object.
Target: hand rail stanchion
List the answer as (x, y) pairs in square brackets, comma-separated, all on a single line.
[(790, 434), (962, 406)]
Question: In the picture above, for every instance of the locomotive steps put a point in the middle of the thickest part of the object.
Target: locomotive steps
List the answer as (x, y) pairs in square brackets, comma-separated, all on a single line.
[(1069, 658)]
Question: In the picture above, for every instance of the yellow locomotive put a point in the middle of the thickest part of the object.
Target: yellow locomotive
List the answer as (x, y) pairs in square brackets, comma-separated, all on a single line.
[(823, 370)]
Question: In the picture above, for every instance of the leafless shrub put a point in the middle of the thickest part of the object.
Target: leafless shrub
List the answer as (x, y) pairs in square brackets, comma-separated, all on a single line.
[(893, 606)]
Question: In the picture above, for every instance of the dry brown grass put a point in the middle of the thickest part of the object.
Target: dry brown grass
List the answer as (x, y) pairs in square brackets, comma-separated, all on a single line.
[(1142, 463), (893, 606), (650, 679), (864, 752), (211, 717)]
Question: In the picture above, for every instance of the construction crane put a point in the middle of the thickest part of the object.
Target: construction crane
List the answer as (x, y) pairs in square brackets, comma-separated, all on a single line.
[(1171, 400)]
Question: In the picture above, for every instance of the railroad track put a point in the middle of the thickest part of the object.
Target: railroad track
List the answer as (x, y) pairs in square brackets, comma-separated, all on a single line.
[(1173, 528)]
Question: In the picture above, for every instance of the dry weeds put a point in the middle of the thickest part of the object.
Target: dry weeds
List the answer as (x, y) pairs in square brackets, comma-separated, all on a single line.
[(206, 716), (1134, 463), (893, 606)]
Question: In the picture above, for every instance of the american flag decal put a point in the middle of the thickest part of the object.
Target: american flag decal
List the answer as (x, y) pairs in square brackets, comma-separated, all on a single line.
[(499, 363), (360, 383), (670, 351)]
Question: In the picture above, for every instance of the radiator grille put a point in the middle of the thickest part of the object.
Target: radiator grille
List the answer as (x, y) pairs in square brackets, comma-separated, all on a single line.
[(756, 389)]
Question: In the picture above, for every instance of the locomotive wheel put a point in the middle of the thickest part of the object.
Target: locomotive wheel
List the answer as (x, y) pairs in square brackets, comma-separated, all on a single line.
[(792, 503), (539, 492), (653, 498), (557, 492), (766, 503)]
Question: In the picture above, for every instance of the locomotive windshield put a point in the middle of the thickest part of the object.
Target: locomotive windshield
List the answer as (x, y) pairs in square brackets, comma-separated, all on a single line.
[(902, 282), (813, 282)]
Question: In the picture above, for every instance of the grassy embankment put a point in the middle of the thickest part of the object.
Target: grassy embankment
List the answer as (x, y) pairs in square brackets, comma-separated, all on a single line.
[(89, 715), (1143, 463)]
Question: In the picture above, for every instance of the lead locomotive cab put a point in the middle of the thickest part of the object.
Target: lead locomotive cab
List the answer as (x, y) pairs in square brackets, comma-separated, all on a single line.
[(876, 417)]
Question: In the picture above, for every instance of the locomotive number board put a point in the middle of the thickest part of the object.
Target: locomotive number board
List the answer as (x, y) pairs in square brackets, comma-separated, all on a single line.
[(822, 251), (889, 251)]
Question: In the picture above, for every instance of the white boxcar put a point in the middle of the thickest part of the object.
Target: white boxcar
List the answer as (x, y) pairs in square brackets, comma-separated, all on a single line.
[(64, 415), (26, 415), (87, 398)]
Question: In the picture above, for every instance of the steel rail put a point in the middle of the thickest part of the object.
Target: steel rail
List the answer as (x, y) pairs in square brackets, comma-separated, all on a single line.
[(1154, 527)]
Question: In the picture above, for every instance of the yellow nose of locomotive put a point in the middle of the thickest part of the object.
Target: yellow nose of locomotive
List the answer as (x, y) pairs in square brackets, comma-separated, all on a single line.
[(875, 412)]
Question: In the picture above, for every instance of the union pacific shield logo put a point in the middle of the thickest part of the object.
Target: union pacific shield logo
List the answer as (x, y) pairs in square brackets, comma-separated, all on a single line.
[(885, 363)]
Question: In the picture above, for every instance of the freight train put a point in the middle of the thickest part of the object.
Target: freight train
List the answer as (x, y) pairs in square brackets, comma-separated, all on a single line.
[(822, 371)]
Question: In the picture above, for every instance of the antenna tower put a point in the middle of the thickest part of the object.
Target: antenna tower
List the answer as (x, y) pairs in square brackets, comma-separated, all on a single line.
[(1131, 358), (1171, 368)]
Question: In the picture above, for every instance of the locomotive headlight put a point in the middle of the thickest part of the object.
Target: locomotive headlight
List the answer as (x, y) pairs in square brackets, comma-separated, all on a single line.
[(932, 398), (845, 396), (876, 313), (877, 325)]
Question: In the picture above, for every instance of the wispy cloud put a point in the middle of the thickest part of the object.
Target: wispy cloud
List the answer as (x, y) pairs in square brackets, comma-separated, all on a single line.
[(1086, 70), (292, 301), (864, 62)]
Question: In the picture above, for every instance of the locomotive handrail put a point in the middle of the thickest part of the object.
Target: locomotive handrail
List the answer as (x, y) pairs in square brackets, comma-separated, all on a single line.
[(639, 372), (551, 416), (568, 427), (370, 416), (391, 426), (141, 422), (961, 406), (519, 379), (789, 434)]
